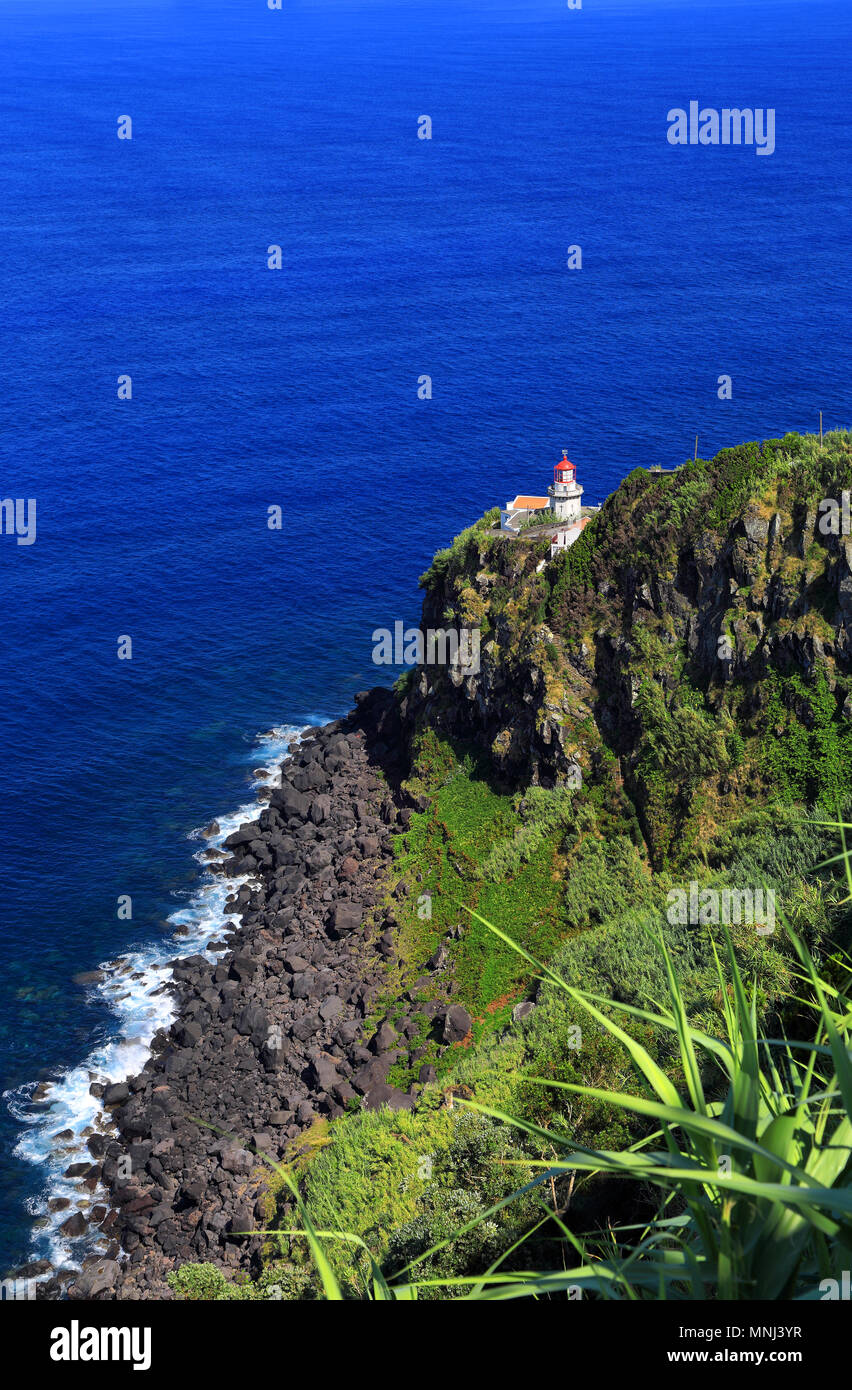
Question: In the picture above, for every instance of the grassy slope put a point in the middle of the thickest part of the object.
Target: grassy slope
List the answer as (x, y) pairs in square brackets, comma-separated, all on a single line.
[(396, 1179)]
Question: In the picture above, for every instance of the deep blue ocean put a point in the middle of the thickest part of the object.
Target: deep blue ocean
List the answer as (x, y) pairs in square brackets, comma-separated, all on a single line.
[(298, 387)]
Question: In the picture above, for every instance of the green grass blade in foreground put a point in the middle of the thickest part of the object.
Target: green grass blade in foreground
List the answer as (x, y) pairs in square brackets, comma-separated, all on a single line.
[(641, 1057), (760, 1223)]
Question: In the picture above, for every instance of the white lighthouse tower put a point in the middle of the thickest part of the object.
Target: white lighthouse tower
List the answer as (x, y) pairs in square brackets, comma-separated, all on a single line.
[(564, 493)]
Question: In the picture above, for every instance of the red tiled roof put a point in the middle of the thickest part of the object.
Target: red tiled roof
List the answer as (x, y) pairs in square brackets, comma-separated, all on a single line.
[(529, 504)]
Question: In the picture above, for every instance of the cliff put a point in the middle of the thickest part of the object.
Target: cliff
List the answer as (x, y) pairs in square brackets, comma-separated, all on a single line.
[(694, 646)]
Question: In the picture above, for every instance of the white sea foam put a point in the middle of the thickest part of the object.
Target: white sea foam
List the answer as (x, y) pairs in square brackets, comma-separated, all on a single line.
[(132, 989)]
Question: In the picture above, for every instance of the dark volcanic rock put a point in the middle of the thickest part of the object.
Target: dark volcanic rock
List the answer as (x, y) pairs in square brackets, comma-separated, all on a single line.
[(98, 1278), (76, 1225), (116, 1094), (457, 1024), (346, 917), (382, 1094), (267, 1035), (291, 802)]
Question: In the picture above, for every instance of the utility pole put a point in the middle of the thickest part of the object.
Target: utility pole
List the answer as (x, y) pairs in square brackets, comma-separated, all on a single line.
[(695, 455), (820, 429)]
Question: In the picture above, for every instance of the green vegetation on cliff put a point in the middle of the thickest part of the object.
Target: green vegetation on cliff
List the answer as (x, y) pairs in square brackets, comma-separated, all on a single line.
[(663, 709), (693, 649)]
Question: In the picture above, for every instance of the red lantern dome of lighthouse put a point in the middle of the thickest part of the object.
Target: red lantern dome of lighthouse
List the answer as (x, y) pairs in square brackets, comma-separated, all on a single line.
[(564, 472)]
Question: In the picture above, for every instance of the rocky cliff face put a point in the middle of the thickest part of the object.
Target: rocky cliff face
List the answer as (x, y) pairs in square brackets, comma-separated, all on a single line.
[(703, 618), (521, 704)]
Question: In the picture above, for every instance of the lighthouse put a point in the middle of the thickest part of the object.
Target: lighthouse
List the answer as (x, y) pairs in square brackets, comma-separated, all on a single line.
[(564, 492)]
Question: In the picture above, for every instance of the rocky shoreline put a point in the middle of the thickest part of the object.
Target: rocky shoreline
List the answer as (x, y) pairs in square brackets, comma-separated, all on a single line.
[(272, 1034)]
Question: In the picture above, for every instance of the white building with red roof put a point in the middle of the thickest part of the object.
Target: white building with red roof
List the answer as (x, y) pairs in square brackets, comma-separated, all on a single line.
[(562, 506)]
